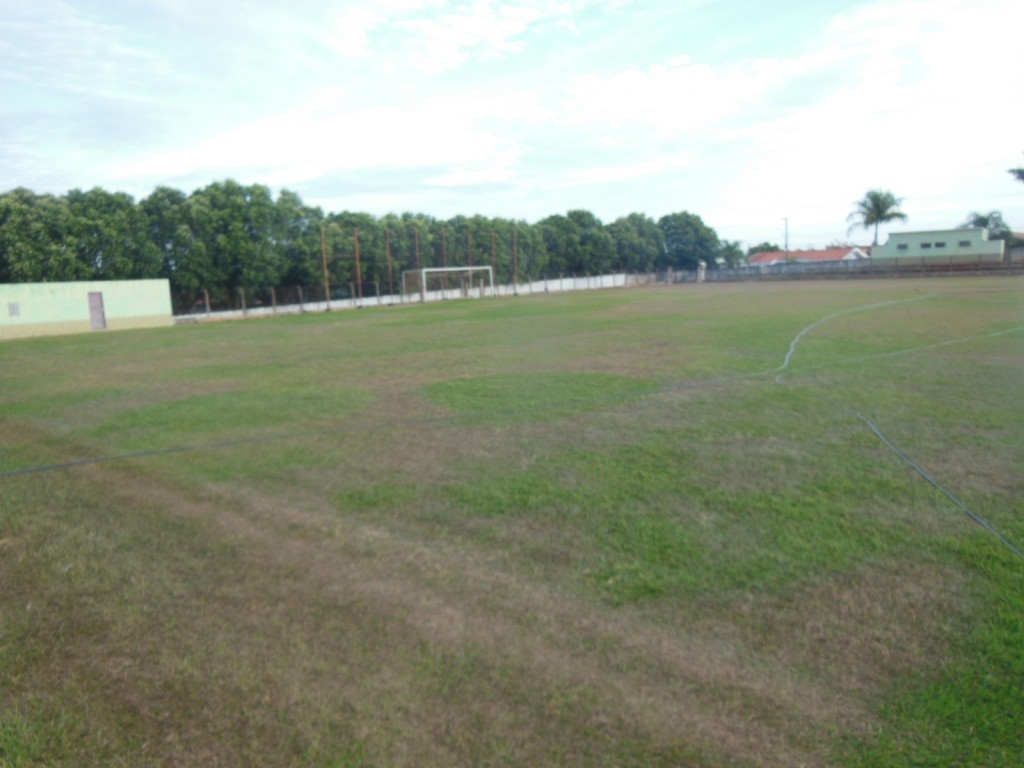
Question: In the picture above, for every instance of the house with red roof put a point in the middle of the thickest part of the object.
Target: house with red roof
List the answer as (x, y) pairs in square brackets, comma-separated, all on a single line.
[(824, 255)]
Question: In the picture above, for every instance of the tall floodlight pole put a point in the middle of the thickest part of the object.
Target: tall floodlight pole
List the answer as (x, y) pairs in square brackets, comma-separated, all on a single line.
[(359, 271), (786, 220), (387, 245), (515, 261), (323, 255), (444, 257)]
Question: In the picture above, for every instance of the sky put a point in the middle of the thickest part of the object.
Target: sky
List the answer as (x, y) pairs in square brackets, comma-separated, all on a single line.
[(766, 119)]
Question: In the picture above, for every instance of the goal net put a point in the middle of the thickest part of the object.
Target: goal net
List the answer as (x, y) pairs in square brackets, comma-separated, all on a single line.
[(434, 283)]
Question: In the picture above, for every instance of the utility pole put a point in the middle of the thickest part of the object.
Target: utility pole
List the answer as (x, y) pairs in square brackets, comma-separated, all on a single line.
[(323, 255), (515, 261), (444, 257), (787, 238), (359, 271), (391, 278)]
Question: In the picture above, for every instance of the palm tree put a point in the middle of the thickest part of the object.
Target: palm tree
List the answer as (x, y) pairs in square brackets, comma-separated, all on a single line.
[(993, 222), (877, 207)]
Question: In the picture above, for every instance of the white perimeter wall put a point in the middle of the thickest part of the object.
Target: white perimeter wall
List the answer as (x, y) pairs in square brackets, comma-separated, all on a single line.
[(523, 289)]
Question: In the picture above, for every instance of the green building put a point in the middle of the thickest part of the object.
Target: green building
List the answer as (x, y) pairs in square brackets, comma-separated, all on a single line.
[(46, 309), (945, 245)]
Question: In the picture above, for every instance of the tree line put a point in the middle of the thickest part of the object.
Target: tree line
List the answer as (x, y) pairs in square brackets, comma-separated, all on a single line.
[(228, 237)]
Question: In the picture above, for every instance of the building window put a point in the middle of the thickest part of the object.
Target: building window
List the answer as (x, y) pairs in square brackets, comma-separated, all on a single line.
[(925, 246), (901, 247), (13, 309), (965, 243), (940, 245)]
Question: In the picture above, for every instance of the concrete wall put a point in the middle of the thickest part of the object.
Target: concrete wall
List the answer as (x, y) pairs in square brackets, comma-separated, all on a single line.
[(555, 285), (941, 244), (45, 309)]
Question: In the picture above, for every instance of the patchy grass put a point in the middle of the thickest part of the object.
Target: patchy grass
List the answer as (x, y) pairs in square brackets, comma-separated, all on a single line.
[(603, 529), (524, 397)]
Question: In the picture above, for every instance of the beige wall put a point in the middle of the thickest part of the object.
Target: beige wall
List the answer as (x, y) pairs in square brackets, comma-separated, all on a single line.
[(46, 309), (950, 245)]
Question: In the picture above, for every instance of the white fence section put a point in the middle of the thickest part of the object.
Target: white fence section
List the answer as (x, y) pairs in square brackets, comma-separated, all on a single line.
[(555, 285)]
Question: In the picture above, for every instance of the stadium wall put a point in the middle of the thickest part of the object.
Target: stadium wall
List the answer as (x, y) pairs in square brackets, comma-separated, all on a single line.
[(47, 309)]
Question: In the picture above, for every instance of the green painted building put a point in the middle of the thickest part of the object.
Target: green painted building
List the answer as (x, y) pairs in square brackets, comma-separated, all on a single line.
[(945, 245), (46, 309)]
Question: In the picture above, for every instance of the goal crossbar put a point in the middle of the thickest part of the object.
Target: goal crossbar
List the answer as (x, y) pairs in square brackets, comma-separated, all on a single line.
[(430, 270)]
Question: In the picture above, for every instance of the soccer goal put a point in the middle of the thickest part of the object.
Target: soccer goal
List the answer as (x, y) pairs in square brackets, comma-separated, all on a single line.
[(433, 283)]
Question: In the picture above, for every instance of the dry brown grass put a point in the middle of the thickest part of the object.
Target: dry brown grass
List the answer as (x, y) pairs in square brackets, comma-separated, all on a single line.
[(256, 605), (442, 655)]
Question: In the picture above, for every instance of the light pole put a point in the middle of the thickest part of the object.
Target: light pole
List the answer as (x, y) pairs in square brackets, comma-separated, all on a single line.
[(323, 254), (786, 241)]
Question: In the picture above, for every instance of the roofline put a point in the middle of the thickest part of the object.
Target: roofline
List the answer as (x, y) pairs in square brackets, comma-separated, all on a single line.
[(934, 231)]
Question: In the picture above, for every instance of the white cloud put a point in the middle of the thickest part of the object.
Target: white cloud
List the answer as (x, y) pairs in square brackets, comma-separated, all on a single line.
[(616, 173), (54, 47), (320, 137), (916, 96), (482, 29)]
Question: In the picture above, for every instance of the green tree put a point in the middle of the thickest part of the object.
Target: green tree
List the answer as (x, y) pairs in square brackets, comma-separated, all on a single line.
[(1017, 173), (764, 247), (688, 241), (577, 244), (409, 236), (371, 266), (534, 260), (875, 208), (112, 237), (296, 235), (235, 225), (521, 251), (639, 242), (166, 214), (997, 228), (37, 239), (730, 253)]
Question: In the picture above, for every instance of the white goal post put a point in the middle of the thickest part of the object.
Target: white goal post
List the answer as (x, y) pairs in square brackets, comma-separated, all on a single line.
[(462, 290)]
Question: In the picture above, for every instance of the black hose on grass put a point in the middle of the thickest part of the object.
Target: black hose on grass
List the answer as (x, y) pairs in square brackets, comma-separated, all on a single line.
[(936, 484), (780, 370), (885, 440)]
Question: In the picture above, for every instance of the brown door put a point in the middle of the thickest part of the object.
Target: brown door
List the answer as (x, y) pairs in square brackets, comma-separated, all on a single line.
[(96, 314)]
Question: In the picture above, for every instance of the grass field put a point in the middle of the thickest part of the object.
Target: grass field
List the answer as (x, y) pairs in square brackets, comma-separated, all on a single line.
[(639, 527)]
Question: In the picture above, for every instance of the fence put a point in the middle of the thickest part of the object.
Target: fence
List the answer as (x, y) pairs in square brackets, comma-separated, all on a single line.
[(899, 267), (199, 305)]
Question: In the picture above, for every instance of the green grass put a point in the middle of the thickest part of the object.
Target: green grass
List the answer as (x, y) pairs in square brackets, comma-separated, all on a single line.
[(539, 396), (595, 529), (971, 713)]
